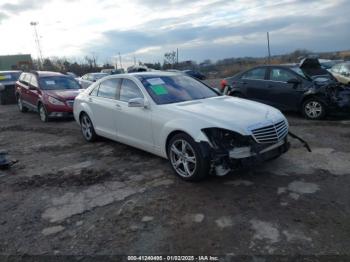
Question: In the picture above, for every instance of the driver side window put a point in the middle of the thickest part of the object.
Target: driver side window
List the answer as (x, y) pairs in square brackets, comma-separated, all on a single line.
[(281, 75), (129, 90)]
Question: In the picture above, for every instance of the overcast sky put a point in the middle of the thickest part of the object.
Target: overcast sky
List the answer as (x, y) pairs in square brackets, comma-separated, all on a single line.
[(201, 29)]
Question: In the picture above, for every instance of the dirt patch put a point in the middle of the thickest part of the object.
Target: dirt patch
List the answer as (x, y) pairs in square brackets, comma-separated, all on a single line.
[(84, 177)]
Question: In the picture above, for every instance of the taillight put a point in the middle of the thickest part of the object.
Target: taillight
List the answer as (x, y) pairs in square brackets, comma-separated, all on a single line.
[(223, 83)]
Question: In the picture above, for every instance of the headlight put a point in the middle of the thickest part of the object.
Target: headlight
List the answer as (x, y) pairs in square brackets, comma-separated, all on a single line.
[(55, 101), (225, 139)]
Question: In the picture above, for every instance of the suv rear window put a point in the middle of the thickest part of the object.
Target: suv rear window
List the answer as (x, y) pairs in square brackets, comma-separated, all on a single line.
[(9, 76)]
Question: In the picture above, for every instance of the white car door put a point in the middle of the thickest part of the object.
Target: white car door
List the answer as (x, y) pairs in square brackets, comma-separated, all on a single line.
[(105, 108), (134, 126)]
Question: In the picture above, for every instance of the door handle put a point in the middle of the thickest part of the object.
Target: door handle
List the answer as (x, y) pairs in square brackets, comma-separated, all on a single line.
[(118, 106), (90, 99)]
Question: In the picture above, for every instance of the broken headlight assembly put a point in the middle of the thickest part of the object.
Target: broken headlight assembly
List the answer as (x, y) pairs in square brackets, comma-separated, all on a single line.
[(223, 139)]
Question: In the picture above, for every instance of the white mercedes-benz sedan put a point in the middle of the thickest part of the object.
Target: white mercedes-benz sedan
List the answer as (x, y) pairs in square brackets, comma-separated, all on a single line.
[(179, 118)]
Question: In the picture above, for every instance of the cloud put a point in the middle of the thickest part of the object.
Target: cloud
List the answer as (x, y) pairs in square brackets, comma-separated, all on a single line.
[(3, 16), (201, 29), (21, 6)]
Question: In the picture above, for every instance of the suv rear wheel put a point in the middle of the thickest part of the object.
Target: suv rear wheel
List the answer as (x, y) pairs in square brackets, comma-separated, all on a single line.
[(186, 158), (313, 109), (20, 105)]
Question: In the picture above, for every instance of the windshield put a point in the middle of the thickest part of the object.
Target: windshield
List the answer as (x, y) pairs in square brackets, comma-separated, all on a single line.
[(174, 89), (9, 76), (299, 72), (58, 83)]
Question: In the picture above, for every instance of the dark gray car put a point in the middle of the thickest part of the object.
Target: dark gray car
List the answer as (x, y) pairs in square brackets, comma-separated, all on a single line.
[(7, 86), (307, 88)]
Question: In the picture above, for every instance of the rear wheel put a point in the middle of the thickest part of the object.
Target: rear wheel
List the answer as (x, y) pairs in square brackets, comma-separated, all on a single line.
[(313, 109), (20, 105), (87, 128), (186, 158)]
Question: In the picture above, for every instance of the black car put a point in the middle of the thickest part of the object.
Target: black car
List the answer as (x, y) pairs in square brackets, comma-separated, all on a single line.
[(305, 87), (194, 74), (7, 86)]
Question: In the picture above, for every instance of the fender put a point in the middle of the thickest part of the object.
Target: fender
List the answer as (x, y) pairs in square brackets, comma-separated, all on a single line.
[(83, 107), (192, 128), (320, 93)]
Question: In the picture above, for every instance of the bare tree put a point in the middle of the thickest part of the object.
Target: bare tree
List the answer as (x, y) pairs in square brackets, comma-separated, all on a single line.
[(170, 58)]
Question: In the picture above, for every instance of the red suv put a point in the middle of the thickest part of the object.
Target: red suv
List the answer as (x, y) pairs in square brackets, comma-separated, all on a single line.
[(49, 93)]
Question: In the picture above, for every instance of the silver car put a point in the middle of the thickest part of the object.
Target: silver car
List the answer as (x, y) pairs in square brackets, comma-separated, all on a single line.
[(86, 80)]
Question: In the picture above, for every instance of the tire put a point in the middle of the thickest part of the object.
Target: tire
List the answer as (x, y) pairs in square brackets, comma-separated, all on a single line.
[(313, 109), (20, 105), (186, 158), (87, 128), (43, 113)]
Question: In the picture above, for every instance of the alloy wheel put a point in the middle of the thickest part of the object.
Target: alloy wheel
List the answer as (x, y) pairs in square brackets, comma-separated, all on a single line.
[(183, 158), (86, 127), (313, 109)]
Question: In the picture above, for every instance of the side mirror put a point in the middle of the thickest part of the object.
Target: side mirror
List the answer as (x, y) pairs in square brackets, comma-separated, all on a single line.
[(137, 102), (2, 87), (294, 81)]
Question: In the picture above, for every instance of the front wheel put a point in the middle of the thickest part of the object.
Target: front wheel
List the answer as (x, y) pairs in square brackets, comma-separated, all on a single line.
[(87, 128), (313, 109), (43, 114), (186, 158)]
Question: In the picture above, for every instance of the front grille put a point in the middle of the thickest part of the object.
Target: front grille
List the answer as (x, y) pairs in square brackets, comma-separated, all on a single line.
[(271, 134), (70, 103)]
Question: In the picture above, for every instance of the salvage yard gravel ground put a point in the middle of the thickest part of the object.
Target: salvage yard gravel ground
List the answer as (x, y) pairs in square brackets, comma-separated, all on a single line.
[(66, 196)]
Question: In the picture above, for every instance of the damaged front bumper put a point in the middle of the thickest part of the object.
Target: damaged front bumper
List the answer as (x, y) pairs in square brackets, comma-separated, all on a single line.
[(223, 161)]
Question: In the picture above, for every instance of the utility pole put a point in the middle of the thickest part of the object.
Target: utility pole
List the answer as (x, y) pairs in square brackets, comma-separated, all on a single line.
[(120, 61), (268, 47), (37, 41), (177, 55)]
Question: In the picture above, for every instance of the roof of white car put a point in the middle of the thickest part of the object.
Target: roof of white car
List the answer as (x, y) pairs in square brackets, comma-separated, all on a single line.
[(154, 73)]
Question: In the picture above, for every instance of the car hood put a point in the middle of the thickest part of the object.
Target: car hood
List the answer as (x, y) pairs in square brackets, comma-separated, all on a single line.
[(63, 94), (231, 113), (312, 68)]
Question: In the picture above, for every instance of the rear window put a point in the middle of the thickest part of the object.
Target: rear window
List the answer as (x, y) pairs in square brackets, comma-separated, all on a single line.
[(58, 83), (10, 76)]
